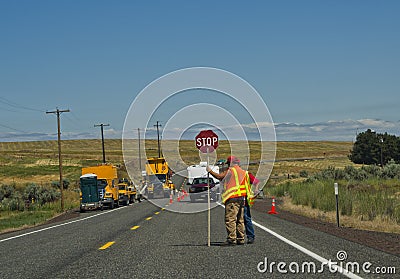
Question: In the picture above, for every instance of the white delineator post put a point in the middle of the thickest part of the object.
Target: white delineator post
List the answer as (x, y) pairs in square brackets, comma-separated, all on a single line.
[(337, 202)]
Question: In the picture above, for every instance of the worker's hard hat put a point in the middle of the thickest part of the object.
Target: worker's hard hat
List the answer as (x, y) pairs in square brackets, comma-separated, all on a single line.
[(232, 159)]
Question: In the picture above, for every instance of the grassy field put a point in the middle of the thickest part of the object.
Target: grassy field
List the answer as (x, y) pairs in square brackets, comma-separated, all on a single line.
[(22, 163)]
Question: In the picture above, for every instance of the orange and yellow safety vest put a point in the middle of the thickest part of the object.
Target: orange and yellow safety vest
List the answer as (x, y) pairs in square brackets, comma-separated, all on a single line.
[(238, 184)]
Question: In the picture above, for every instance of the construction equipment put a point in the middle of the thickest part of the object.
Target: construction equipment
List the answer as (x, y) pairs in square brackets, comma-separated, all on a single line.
[(158, 176), (91, 197), (126, 192), (107, 181)]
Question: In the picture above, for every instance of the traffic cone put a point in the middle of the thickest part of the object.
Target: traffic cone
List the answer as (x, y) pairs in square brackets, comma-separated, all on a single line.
[(179, 196), (273, 211), (170, 198)]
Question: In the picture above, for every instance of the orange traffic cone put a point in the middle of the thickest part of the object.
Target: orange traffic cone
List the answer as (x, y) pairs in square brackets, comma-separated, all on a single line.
[(170, 198), (272, 211), (179, 196)]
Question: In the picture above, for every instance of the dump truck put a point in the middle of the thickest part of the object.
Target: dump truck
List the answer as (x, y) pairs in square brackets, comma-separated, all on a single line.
[(91, 197), (107, 181), (158, 176), (126, 192)]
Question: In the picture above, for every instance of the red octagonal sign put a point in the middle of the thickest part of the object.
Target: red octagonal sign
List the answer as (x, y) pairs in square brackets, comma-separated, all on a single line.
[(207, 140)]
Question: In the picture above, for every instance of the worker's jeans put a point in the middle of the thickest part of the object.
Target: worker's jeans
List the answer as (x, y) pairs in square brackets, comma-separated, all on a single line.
[(248, 224), (234, 220)]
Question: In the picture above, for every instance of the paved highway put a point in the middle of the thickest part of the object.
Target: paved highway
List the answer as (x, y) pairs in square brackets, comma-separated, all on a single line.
[(145, 241)]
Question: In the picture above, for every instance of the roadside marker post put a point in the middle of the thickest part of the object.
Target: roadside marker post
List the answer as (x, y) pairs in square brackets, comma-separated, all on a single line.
[(207, 141), (337, 203)]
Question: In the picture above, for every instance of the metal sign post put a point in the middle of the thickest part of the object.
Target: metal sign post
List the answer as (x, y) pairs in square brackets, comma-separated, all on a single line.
[(207, 141), (208, 198)]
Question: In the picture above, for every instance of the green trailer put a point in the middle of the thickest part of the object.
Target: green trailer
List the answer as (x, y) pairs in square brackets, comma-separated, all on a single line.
[(91, 194)]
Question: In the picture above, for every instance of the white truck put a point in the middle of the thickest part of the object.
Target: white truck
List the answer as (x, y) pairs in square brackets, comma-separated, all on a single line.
[(197, 182), (197, 171)]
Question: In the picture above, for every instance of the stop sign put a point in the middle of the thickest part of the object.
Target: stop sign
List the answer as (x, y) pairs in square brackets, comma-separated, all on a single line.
[(207, 140)]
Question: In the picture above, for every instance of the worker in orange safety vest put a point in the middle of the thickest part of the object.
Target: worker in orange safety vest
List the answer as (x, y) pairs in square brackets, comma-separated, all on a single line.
[(236, 184)]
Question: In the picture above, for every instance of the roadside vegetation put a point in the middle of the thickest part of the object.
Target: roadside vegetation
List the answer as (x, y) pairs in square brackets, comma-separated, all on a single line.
[(369, 195), (303, 175), (33, 204)]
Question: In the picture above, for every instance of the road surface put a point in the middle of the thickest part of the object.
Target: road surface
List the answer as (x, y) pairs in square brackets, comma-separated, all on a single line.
[(146, 241)]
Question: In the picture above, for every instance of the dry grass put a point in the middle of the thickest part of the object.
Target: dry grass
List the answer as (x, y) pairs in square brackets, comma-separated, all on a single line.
[(379, 224), (21, 162), (37, 161)]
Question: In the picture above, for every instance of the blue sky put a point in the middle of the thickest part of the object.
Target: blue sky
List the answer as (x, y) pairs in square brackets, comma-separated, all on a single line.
[(311, 61)]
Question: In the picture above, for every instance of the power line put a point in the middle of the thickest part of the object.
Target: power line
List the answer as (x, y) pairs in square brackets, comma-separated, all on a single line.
[(8, 127), (75, 122), (6, 109), (16, 105)]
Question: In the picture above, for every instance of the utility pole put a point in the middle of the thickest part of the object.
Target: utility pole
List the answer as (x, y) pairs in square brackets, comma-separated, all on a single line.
[(102, 139), (140, 156), (158, 139), (58, 112)]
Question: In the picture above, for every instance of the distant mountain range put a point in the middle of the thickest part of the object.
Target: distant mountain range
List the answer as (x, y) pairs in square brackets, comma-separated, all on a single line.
[(344, 130)]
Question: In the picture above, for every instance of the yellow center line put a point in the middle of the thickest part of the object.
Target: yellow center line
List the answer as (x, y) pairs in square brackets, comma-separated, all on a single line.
[(158, 212), (163, 208), (135, 228), (105, 246), (148, 218)]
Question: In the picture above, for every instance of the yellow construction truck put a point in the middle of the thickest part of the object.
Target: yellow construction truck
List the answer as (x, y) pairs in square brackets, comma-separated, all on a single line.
[(158, 176), (126, 192), (107, 181)]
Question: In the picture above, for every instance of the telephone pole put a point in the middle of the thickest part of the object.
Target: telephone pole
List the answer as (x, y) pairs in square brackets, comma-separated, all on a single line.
[(58, 112), (102, 139), (140, 155), (158, 139)]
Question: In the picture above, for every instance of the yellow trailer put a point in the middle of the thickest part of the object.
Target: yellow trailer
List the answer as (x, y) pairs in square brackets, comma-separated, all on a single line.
[(107, 180)]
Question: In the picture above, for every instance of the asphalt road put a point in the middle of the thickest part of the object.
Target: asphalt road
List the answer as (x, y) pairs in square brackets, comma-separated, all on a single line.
[(145, 241)]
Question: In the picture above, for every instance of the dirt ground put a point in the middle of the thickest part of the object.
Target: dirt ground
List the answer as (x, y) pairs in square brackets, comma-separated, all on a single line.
[(387, 242)]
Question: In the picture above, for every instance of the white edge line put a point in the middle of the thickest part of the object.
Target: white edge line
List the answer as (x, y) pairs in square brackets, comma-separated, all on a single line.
[(305, 250), (59, 225)]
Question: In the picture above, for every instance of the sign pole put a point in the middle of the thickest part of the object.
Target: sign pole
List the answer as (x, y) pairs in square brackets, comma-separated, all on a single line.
[(205, 141), (208, 198), (337, 203)]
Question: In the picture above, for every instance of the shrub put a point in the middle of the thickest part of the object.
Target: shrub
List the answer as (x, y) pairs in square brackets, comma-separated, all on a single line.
[(56, 184), (6, 191), (303, 173), (39, 194)]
